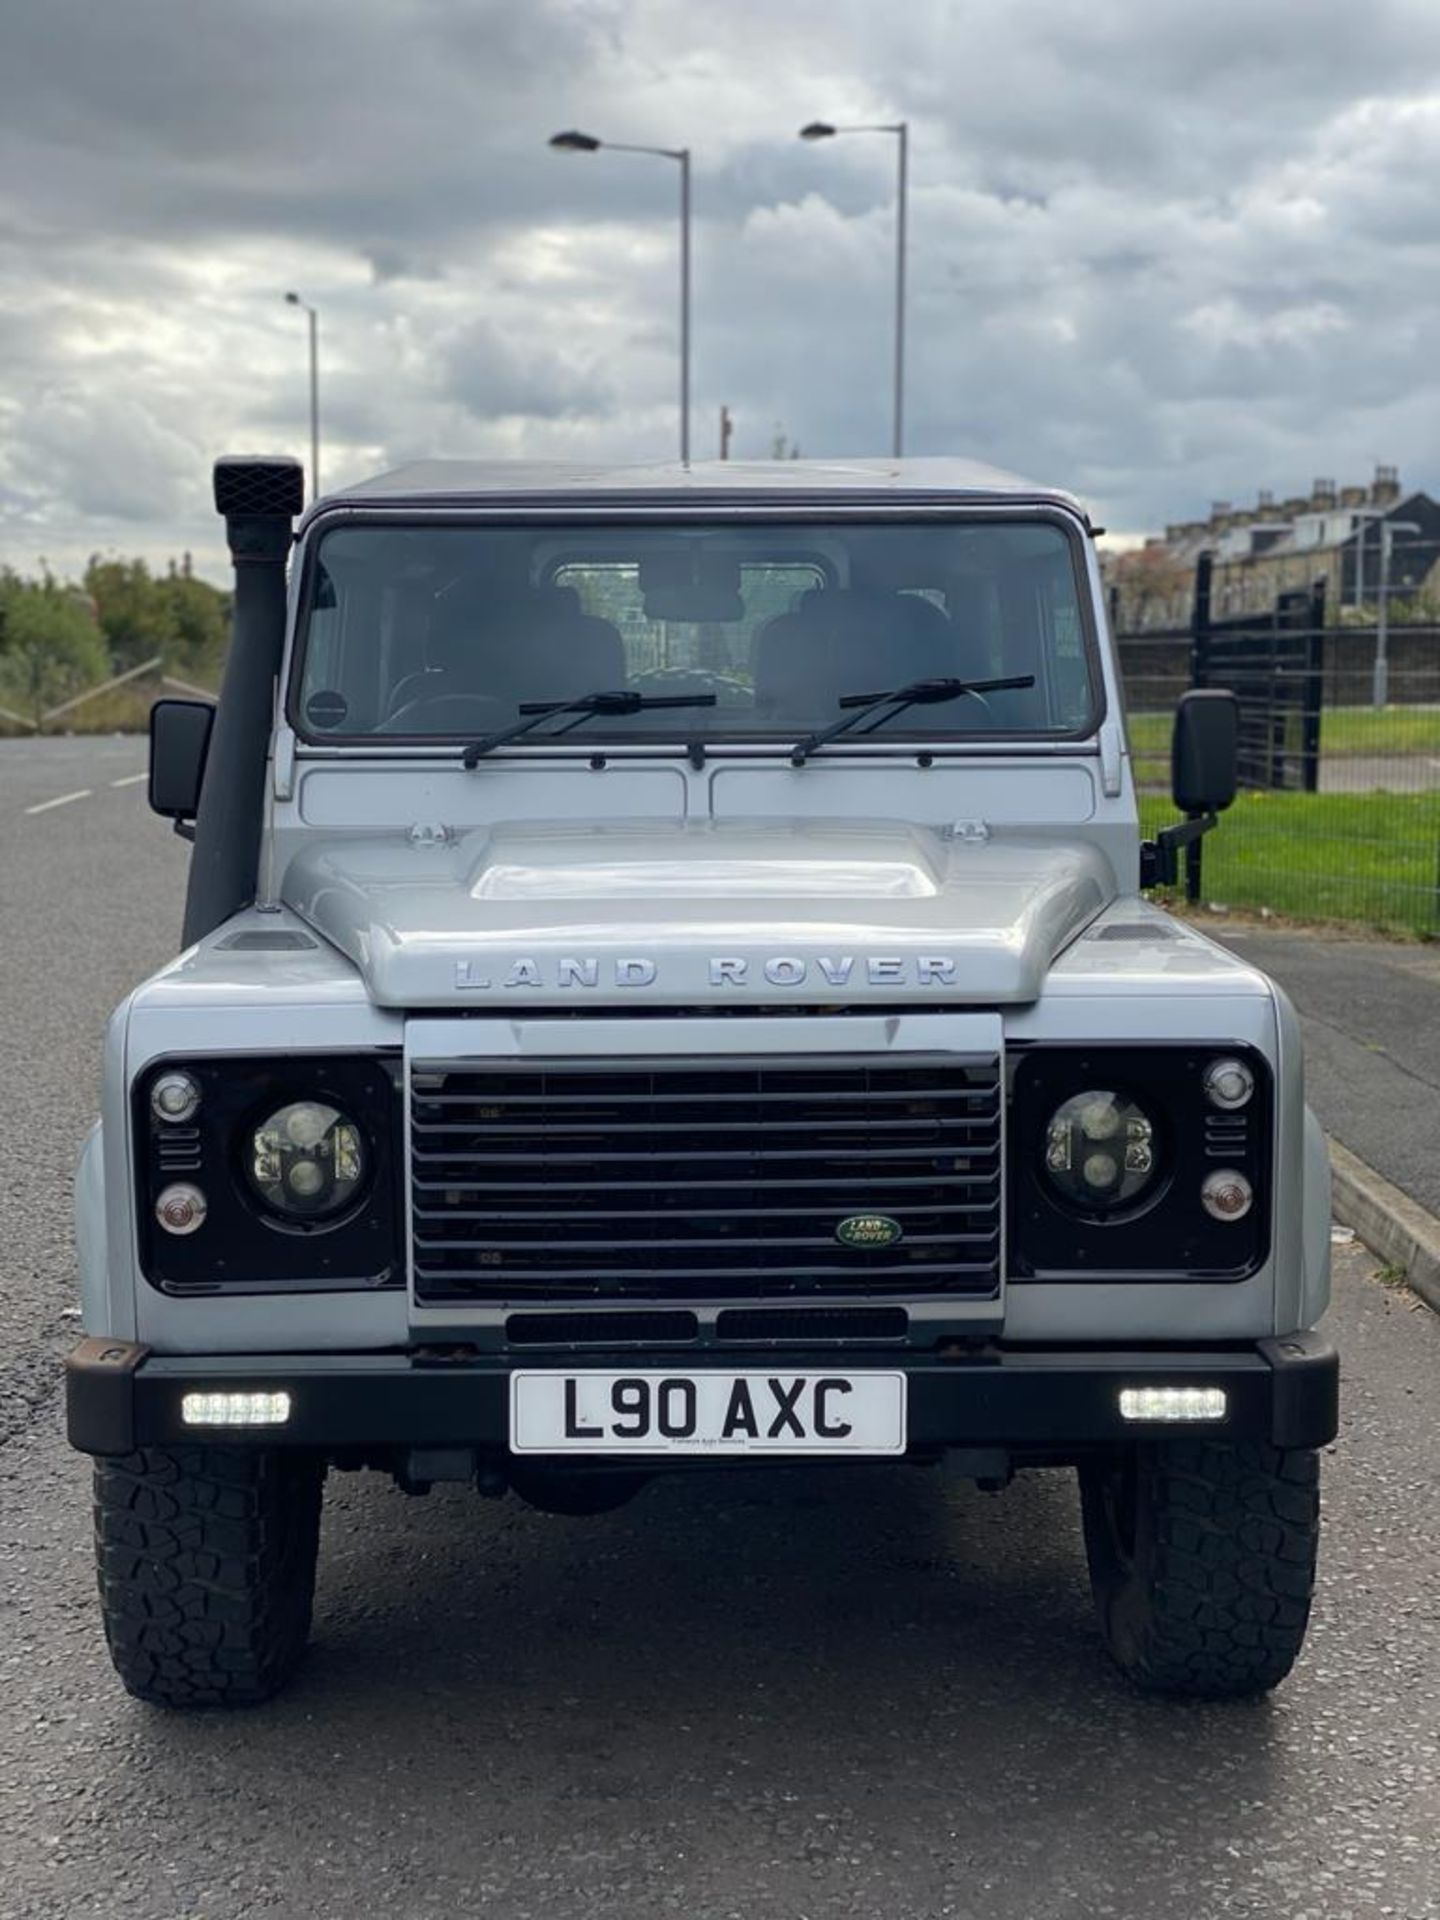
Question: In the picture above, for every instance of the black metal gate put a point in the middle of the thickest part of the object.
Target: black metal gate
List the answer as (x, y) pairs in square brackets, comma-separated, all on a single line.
[(1274, 664)]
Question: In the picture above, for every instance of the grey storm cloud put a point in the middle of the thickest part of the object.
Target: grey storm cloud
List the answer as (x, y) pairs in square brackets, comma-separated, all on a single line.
[(1158, 252)]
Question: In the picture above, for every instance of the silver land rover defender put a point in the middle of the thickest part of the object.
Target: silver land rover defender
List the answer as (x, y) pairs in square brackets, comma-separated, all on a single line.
[(666, 981)]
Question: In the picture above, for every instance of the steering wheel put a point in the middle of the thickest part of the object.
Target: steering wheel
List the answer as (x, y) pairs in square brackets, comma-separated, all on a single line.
[(443, 713), (727, 688)]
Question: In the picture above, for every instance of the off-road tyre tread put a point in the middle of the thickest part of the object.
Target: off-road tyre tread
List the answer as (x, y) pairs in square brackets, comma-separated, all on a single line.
[(206, 1566), (1215, 1602)]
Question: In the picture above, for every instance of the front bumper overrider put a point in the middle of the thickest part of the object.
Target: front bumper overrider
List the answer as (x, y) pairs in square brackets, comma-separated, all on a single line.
[(1040, 1400)]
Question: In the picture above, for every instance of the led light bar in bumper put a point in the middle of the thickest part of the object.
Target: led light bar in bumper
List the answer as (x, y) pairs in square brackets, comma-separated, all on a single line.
[(235, 1409), (1173, 1403)]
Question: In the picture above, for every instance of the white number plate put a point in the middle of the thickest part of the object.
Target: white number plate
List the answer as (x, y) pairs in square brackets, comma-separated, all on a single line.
[(711, 1413)]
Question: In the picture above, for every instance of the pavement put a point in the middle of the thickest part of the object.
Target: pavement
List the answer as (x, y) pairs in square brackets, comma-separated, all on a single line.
[(1371, 1016), (1339, 772), (867, 1693), (1379, 772)]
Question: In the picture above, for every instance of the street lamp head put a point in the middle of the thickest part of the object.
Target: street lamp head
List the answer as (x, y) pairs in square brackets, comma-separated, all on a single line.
[(573, 142), (818, 130), (292, 299)]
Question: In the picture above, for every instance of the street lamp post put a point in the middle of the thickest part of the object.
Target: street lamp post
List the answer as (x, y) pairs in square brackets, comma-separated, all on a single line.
[(823, 130), (573, 142), (1380, 687), (294, 300)]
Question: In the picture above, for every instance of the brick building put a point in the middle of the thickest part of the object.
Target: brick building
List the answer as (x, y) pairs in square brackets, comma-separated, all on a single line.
[(1331, 534)]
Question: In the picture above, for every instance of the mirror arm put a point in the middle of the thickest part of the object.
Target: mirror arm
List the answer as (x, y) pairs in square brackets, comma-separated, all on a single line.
[(185, 829), (1160, 857)]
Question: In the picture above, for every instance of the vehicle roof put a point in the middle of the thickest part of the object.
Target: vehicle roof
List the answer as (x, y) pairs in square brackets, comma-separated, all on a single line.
[(434, 483)]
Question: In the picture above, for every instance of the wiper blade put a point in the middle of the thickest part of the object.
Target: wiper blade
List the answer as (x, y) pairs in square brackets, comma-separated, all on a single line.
[(919, 693), (585, 708)]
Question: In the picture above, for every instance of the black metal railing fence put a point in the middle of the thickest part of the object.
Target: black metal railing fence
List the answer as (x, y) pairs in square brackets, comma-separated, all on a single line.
[(1339, 813)]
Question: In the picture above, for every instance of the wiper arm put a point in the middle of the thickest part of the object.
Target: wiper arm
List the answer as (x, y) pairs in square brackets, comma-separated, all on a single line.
[(585, 708), (919, 693)]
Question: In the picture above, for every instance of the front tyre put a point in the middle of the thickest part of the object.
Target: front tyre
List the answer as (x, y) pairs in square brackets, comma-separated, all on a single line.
[(1202, 1562), (206, 1563)]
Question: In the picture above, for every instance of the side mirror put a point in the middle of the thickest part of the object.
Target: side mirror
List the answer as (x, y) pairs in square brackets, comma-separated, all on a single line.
[(1204, 756), (179, 746)]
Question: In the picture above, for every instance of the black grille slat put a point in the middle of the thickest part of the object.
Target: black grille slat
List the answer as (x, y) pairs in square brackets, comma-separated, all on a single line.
[(551, 1104), (694, 1187), (639, 1216), (547, 1130), (559, 1283), (680, 1179), (601, 1329), (801, 1325), (667, 1156)]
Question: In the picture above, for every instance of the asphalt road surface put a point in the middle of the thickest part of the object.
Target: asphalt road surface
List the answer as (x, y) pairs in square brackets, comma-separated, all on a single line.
[(775, 1696)]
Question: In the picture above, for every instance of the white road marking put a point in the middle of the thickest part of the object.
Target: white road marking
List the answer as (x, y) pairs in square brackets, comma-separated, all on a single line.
[(63, 800), (130, 780)]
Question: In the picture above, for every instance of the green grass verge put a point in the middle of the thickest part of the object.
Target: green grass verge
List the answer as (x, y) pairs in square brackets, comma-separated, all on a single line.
[(1369, 857), (1363, 731)]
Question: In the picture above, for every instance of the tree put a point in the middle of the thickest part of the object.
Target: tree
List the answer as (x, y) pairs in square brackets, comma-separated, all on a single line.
[(50, 645), (1155, 590), (183, 620), (201, 616), (134, 611)]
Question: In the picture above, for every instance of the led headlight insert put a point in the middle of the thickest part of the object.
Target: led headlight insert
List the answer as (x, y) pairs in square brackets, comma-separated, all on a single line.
[(1100, 1151), (306, 1161)]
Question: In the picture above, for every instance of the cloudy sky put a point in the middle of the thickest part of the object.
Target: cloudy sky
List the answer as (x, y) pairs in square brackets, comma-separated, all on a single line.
[(1161, 252)]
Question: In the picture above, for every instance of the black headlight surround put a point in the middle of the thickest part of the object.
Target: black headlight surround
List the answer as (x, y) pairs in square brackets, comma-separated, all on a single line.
[(243, 1246), (1166, 1234)]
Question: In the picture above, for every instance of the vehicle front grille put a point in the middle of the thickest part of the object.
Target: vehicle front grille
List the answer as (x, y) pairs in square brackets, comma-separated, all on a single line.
[(693, 1179)]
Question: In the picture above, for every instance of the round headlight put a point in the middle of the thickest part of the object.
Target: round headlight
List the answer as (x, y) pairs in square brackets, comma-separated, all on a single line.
[(306, 1161), (1100, 1151)]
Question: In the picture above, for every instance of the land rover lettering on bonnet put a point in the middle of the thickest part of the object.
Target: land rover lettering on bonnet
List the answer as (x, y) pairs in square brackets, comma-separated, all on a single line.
[(667, 980), (722, 970)]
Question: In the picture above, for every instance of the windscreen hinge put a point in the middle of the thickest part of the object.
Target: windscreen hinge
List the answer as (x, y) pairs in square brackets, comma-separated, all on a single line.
[(1110, 762), (284, 764)]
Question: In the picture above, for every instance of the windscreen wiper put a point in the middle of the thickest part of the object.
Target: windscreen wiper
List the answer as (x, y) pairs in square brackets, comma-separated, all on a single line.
[(585, 708), (919, 693)]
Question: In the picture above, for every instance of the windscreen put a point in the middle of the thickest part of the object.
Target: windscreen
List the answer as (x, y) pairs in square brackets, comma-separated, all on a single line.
[(447, 632)]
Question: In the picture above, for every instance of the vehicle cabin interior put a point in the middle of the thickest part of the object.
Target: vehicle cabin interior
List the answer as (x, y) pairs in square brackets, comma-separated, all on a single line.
[(449, 631)]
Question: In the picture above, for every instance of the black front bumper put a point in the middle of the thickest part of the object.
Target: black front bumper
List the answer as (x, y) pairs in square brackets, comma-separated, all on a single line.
[(1041, 1400)]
